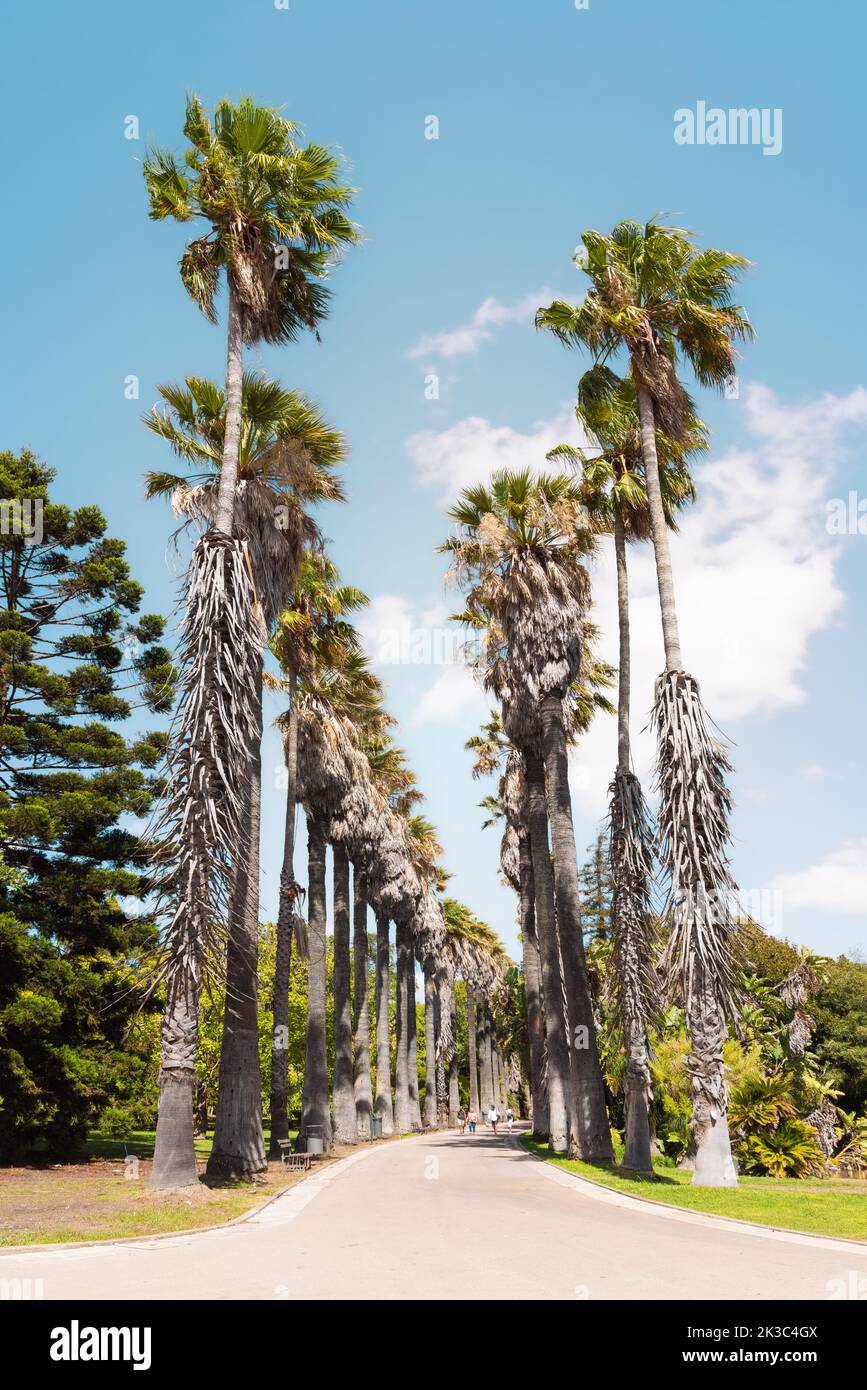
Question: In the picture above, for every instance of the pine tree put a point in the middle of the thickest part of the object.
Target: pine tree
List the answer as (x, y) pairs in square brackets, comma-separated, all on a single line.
[(596, 889), (75, 660)]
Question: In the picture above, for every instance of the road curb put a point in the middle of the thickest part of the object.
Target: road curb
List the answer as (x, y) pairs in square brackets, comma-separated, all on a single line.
[(315, 1175), (598, 1192)]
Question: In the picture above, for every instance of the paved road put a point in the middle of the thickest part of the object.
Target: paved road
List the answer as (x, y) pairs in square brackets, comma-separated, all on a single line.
[(444, 1216)]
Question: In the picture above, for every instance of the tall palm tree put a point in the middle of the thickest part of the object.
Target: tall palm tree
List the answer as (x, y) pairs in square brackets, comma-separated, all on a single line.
[(313, 634), (425, 852), (518, 552), (286, 464), (614, 494), (275, 215), (475, 952), (492, 749), (334, 704), (343, 1090), (315, 1111), (362, 1086), (661, 301), (383, 1102)]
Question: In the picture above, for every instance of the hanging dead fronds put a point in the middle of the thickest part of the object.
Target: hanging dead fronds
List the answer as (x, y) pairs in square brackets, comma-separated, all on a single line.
[(199, 826), (634, 985), (694, 809)]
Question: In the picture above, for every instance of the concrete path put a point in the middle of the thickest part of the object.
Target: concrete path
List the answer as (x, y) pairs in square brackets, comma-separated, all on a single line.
[(450, 1217)]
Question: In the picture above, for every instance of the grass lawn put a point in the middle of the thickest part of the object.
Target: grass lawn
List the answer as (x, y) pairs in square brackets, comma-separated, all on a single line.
[(825, 1207)]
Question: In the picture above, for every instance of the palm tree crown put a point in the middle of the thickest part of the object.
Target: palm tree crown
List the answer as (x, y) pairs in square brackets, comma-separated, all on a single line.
[(276, 212)]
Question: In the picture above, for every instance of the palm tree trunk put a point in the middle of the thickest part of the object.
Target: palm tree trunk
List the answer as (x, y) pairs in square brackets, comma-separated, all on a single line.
[(361, 1018), (445, 1039), (659, 528), (174, 1163), (454, 1079), (487, 1081), (225, 513), (624, 680), (533, 992), (430, 1047), (495, 1069), (714, 1166), (592, 1137), (283, 962), (560, 1104), (472, 1049), (708, 815), (402, 1114), (412, 1040), (638, 1090), (239, 1143), (383, 1104), (280, 1040), (315, 1110), (343, 1095)]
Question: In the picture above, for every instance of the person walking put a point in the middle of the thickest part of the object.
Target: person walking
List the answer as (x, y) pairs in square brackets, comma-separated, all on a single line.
[(462, 1119), (472, 1120), (510, 1118), (493, 1118)]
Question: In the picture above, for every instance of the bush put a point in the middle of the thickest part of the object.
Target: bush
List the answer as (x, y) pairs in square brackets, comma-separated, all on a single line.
[(115, 1123)]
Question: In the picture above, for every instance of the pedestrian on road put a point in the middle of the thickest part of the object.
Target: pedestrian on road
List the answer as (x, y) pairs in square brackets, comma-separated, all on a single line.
[(462, 1119), (510, 1119), (472, 1120), (493, 1118)]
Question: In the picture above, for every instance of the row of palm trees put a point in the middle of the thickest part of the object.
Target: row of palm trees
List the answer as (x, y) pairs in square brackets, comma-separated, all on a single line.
[(257, 459), (519, 550)]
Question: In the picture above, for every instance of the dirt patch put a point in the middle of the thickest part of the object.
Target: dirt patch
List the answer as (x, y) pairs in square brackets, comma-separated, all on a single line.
[(104, 1199)]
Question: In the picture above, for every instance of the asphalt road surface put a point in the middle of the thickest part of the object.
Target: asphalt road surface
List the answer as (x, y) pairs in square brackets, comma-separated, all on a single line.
[(444, 1216)]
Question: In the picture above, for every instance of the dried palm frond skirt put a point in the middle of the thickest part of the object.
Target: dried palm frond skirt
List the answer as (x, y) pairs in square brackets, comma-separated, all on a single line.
[(200, 824)]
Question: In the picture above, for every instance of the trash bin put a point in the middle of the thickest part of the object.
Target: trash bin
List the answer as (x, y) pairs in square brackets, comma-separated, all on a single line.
[(377, 1127), (313, 1141)]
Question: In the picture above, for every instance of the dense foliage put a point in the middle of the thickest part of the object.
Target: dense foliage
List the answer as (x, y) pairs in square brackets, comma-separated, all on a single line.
[(76, 659)]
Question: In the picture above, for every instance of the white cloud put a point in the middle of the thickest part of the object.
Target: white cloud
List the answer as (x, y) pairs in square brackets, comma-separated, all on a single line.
[(453, 692), (813, 773), (754, 572), (754, 565), (837, 884), (470, 451), (385, 624), (467, 338), (397, 633)]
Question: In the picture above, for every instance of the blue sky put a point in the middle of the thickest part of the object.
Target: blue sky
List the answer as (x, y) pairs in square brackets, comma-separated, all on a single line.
[(551, 119)]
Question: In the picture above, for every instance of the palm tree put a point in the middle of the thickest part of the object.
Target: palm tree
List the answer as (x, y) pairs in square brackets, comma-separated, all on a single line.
[(657, 297), (286, 461), (276, 219), (362, 1087), (315, 1110), (518, 551), (343, 1090), (383, 1103), (474, 951), (275, 214), (334, 704), (614, 495), (491, 749), (425, 852), (313, 634)]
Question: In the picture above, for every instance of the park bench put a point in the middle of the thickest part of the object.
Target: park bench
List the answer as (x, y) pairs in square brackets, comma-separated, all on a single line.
[(296, 1163)]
